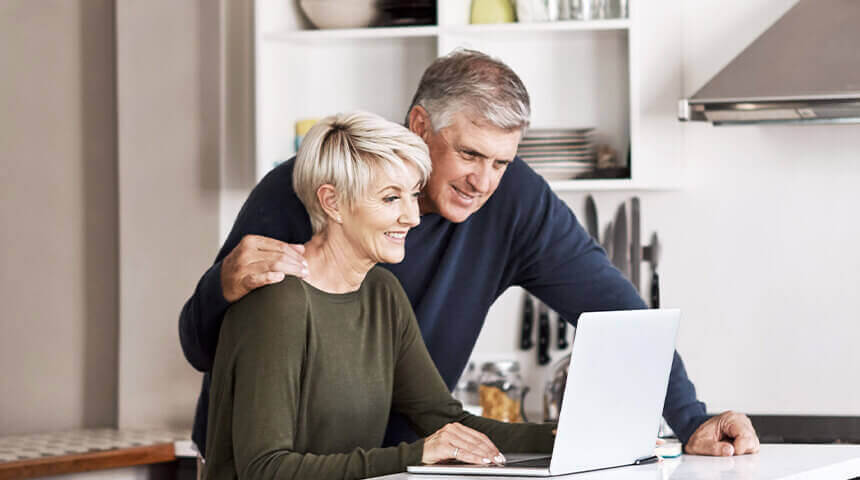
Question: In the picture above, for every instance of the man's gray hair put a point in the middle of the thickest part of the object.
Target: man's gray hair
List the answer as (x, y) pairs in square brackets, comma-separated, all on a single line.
[(348, 151), (477, 84)]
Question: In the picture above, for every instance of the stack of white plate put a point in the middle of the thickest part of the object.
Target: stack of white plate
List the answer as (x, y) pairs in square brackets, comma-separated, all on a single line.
[(558, 154)]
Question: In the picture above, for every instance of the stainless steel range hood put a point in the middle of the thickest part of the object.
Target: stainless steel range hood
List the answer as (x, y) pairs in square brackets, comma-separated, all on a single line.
[(804, 69)]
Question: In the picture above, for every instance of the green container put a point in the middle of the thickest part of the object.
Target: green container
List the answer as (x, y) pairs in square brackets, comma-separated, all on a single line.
[(493, 11)]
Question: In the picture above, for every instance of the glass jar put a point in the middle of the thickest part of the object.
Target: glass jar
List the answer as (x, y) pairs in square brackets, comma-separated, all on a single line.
[(553, 394), (597, 9), (502, 391), (466, 390)]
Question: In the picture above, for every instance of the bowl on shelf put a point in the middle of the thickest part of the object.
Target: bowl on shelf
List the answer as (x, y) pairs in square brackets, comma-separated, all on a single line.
[(407, 12), (340, 13)]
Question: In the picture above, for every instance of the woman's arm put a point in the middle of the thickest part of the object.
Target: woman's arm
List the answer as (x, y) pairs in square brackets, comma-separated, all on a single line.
[(422, 396), (258, 369)]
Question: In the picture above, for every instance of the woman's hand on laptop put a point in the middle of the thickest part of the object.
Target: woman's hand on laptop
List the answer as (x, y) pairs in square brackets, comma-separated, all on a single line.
[(727, 434), (455, 441)]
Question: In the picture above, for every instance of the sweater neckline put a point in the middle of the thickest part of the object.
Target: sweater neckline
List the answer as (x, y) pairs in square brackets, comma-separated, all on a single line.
[(347, 297)]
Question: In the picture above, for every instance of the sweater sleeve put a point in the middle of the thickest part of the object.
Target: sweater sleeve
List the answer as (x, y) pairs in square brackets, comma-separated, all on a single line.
[(422, 396), (561, 264), (264, 373), (200, 319)]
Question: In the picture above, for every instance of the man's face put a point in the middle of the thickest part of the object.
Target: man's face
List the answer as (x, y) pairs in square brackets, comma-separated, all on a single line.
[(469, 159)]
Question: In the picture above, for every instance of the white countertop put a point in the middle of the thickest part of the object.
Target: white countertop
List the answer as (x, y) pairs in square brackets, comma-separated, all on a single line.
[(185, 448), (773, 462)]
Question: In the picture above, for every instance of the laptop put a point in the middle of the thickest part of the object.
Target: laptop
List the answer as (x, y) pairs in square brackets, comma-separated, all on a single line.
[(613, 400)]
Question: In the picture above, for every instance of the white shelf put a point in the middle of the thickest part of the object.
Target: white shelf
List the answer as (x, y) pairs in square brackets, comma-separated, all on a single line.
[(595, 185), (433, 30), (621, 76), (352, 34), (536, 27)]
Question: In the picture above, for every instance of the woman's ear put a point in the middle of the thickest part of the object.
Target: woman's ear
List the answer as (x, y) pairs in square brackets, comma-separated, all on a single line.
[(419, 122), (327, 196)]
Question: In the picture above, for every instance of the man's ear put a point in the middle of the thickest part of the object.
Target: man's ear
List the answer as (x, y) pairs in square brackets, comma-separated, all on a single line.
[(327, 196), (419, 122)]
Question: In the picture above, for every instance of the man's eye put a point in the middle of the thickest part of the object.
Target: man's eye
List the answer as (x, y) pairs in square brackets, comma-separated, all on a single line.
[(502, 163), (467, 155)]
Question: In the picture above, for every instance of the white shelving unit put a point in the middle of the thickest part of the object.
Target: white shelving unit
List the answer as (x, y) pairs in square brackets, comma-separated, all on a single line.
[(621, 76)]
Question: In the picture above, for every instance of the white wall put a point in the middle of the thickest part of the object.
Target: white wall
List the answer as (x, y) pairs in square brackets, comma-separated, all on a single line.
[(760, 247), (58, 216), (169, 137), (185, 106), (773, 324)]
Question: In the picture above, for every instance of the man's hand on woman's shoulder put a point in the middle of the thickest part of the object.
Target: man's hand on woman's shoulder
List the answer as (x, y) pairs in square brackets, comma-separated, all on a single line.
[(257, 261)]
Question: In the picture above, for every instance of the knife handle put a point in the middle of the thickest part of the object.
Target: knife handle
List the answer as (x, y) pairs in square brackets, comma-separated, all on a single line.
[(543, 337), (562, 333), (528, 324), (655, 290)]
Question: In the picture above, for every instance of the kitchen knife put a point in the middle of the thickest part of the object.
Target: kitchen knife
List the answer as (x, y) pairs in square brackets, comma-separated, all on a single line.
[(562, 332), (591, 218), (619, 241), (607, 240), (528, 323), (651, 253), (635, 243), (543, 335)]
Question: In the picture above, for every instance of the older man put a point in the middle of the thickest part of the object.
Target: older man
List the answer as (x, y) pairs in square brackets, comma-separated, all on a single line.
[(488, 222)]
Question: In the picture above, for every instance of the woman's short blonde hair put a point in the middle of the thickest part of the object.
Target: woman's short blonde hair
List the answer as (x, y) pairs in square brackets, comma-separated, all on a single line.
[(345, 151)]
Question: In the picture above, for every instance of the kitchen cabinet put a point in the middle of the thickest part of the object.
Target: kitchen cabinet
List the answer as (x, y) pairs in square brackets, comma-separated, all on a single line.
[(621, 76)]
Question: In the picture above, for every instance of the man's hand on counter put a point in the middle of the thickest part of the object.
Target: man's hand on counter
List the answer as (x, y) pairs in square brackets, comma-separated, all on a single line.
[(727, 434)]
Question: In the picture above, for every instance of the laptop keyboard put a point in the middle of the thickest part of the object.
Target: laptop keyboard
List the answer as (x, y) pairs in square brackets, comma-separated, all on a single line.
[(542, 462)]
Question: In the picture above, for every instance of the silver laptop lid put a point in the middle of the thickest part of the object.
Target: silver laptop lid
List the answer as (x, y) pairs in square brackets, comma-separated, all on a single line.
[(616, 385)]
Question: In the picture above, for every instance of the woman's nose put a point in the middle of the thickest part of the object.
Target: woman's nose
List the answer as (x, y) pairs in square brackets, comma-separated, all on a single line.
[(410, 216)]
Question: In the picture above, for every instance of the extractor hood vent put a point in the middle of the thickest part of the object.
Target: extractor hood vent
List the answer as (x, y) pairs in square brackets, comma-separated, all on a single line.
[(804, 69)]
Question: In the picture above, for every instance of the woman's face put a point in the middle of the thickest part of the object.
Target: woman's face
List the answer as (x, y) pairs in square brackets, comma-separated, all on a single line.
[(376, 225)]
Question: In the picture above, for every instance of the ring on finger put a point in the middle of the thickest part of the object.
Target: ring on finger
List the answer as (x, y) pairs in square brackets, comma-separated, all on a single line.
[(456, 451)]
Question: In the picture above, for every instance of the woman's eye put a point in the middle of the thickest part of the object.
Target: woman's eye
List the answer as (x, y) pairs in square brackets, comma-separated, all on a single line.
[(390, 198), (418, 194)]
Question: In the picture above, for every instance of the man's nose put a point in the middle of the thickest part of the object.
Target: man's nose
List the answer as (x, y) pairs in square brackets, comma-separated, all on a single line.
[(481, 177)]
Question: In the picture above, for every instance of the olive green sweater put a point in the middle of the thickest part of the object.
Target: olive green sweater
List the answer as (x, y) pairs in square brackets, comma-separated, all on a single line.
[(304, 380)]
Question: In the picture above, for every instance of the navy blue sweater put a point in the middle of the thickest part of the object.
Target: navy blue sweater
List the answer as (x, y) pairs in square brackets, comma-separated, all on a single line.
[(524, 235)]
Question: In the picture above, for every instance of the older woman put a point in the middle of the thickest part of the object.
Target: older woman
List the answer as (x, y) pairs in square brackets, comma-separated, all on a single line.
[(308, 370)]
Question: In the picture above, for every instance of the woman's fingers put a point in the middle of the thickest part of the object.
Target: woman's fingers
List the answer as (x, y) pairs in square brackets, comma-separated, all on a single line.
[(458, 442), (465, 456), (479, 442)]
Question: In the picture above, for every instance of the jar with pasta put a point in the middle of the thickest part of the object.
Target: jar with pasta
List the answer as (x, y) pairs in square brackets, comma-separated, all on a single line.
[(502, 391)]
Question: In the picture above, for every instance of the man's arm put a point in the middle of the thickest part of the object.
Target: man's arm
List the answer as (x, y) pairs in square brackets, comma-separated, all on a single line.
[(254, 254), (563, 266), (200, 320), (256, 261)]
